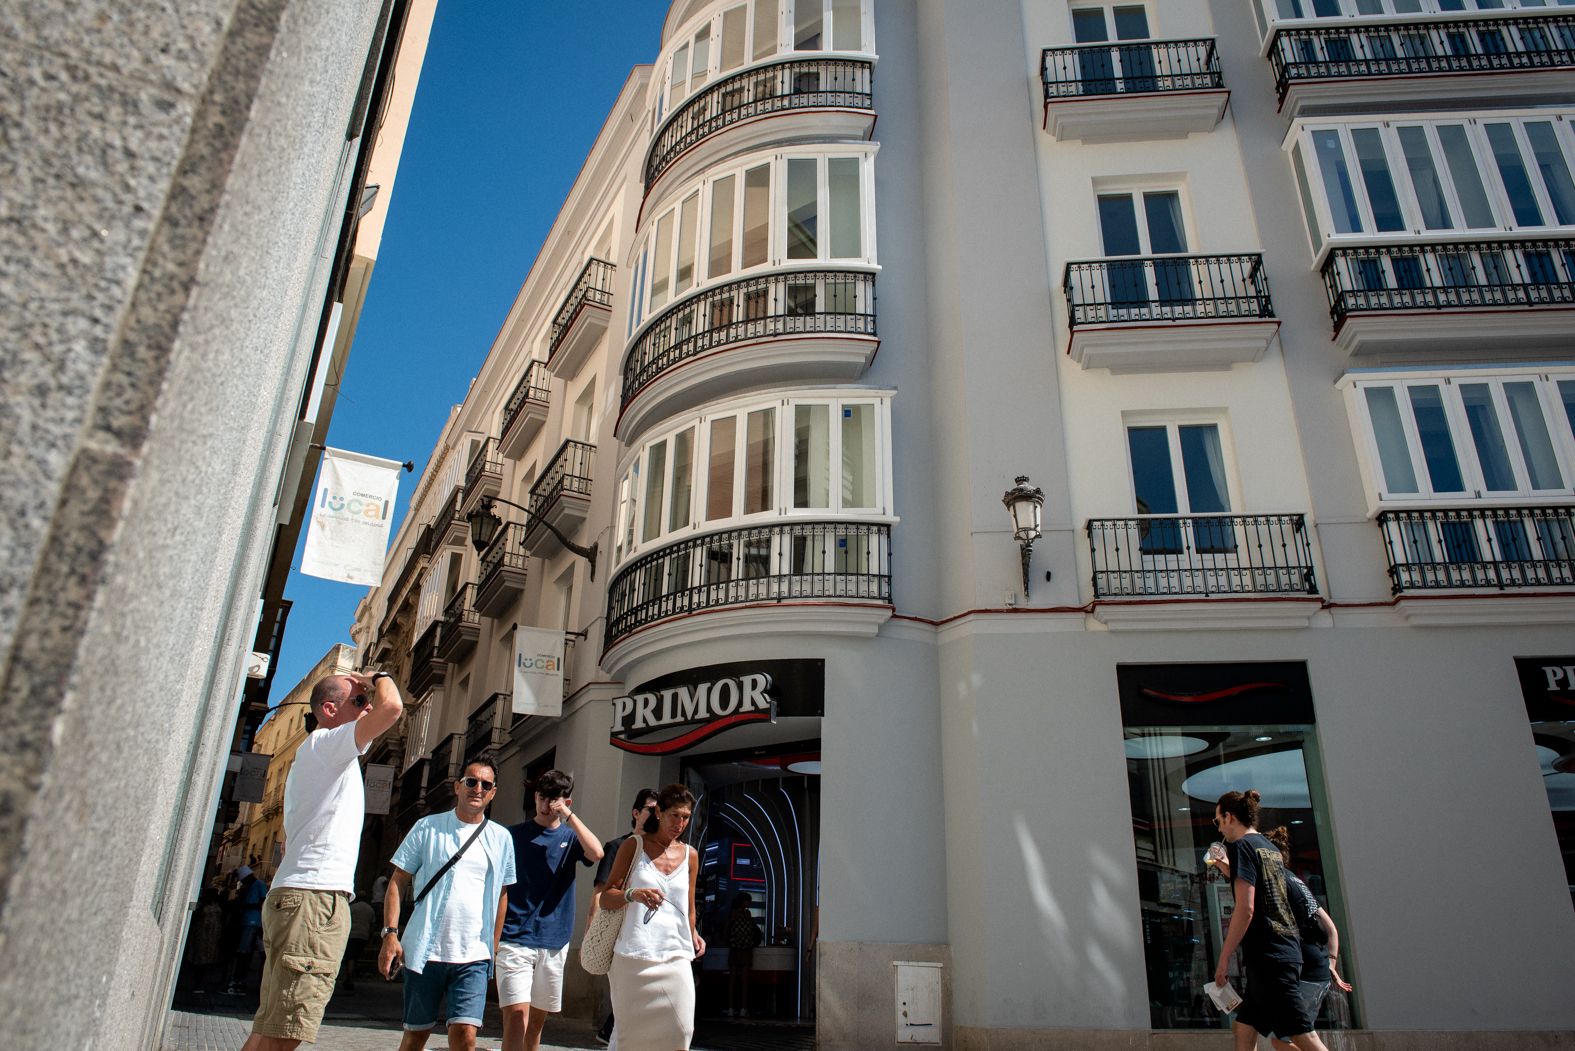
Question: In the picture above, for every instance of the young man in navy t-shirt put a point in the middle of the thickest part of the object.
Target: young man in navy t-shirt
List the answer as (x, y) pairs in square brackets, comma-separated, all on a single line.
[(540, 918)]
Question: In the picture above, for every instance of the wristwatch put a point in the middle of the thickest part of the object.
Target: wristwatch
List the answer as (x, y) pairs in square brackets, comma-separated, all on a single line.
[(380, 675), (386, 931)]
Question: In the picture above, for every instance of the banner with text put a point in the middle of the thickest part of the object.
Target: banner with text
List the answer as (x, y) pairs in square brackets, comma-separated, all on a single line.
[(352, 507), (379, 787), (538, 671)]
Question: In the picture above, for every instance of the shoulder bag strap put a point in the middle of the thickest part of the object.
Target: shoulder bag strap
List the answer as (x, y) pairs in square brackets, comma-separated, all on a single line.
[(450, 862)]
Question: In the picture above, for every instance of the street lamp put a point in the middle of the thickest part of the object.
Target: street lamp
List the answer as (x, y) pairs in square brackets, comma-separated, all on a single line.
[(485, 523), (1025, 503)]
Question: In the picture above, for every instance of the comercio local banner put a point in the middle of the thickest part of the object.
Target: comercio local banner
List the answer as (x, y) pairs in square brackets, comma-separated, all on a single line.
[(352, 506), (538, 671)]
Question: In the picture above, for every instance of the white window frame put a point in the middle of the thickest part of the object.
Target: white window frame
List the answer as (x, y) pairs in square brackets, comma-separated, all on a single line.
[(1268, 14), (631, 491), (1107, 8), (1173, 421), (1321, 240), (1546, 378)]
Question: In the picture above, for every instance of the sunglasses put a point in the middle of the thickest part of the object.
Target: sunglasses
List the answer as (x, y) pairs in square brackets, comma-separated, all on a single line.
[(476, 782)]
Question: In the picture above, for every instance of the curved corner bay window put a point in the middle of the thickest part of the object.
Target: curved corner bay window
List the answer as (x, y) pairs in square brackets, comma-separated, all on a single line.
[(810, 455), (1415, 175), (1191, 734), (786, 210)]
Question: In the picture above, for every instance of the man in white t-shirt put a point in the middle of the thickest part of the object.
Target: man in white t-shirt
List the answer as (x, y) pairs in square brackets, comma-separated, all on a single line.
[(452, 937), (306, 917)]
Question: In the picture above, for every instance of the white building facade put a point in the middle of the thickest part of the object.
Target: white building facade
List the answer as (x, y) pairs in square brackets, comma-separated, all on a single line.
[(1274, 306)]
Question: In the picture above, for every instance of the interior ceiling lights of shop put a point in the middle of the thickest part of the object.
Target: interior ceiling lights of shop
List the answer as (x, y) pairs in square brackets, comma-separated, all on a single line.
[(1558, 777), (1164, 746), (1280, 778)]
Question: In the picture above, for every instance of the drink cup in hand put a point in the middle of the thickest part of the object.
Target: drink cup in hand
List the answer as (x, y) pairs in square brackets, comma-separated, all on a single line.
[(1215, 854)]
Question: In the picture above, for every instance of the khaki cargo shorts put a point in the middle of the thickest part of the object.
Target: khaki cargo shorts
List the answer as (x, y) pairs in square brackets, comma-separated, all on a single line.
[(304, 935)]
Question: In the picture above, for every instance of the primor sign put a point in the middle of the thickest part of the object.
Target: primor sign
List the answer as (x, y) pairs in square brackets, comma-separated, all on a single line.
[(674, 712)]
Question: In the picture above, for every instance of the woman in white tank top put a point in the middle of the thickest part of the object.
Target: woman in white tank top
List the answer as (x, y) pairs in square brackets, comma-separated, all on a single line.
[(653, 989)]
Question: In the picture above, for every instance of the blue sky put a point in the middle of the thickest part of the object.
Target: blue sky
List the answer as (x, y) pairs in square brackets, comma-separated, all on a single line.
[(512, 95)]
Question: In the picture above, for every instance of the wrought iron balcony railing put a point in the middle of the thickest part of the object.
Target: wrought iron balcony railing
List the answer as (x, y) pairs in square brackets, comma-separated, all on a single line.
[(1130, 68), (1179, 555), (569, 471), (816, 83), (1390, 49), (443, 521), (754, 564), (447, 757), (412, 784), (505, 552), (461, 608), (1479, 547), (486, 461), (802, 302), (532, 387), (1167, 288), (482, 731), (1469, 274), (593, 287)]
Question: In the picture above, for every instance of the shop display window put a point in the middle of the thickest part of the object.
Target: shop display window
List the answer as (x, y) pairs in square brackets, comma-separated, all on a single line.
[(1548, 685), (1191, 734)]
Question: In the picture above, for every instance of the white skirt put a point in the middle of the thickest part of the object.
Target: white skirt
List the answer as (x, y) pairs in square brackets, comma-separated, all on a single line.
[(653, 1003)]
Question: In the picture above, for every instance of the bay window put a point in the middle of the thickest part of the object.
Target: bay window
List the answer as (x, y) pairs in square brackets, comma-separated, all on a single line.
[(791, 208), (803, 455), (1469, 434), (1429, 176)]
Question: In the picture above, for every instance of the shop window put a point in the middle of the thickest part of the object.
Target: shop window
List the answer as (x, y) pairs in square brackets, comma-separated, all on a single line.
[(1191, 733), (1548, 686)]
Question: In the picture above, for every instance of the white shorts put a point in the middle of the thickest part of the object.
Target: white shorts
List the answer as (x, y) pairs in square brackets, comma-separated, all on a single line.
[(533, 976)]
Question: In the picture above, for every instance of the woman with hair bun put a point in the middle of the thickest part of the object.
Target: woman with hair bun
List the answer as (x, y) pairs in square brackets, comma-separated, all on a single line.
[(1320, 938), (1263, 925), (653, 987)]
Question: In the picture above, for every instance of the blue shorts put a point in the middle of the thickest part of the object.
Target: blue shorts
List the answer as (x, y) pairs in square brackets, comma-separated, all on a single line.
[(464, 985)]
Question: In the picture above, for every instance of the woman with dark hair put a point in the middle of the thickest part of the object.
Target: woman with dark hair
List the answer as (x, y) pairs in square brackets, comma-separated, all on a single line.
[(653, 989), (1263, 925), (1320, 938)]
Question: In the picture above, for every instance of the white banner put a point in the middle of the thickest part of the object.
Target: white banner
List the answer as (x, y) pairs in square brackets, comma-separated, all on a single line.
[(379, 787), (352, 506), (538, 671), (251, 782)]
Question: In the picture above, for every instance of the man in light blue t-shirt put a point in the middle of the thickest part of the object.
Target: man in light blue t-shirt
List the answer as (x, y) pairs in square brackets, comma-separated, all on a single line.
[(540, 919), (453, 933)]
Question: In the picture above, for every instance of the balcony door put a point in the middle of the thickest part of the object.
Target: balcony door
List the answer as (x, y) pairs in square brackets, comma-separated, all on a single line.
[(1097, 66), (1144, 224), (1179, 469)]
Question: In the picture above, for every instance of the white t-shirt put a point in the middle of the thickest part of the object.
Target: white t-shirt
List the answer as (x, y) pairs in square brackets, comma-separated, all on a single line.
[(324, 804), (456, 938)]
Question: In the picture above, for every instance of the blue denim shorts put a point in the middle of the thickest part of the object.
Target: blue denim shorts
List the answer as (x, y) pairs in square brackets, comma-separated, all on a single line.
[(463, 984)]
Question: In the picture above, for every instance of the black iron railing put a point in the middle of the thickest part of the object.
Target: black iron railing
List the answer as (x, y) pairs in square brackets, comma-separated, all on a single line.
[(1167, 288), (1130, 68), (1394, 49), (482, 731), (486, 461), (460, 608), (1479, 547), (413, 785), (594, 288), (768, 563), (1467, 274), (814, 83), (447, 759), (444, 520), (505, 552), (1165, 555), (426, 667), (568, 472), (532, 387), (801, 302)]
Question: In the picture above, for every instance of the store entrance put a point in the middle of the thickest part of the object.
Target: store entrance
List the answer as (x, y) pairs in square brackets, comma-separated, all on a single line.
[(757, 827)]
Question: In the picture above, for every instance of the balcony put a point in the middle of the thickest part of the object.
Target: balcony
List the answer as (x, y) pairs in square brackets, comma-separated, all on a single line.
[(525, 412), (1479, 548), (561, 496), (1168, 313), (447, 763), (412, 793), (1459, 297), (427, 667), (823, 565), (774, 329), (483, 477), (1159, 89), (795, 100), (1372, 62), (581, 319), (487, 727), (399, 597), (501, 579), (448, 525), (461, 625), (1169, 556)]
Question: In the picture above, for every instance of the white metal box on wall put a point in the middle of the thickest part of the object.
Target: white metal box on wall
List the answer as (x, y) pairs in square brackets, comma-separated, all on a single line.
[(918, 1002)]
